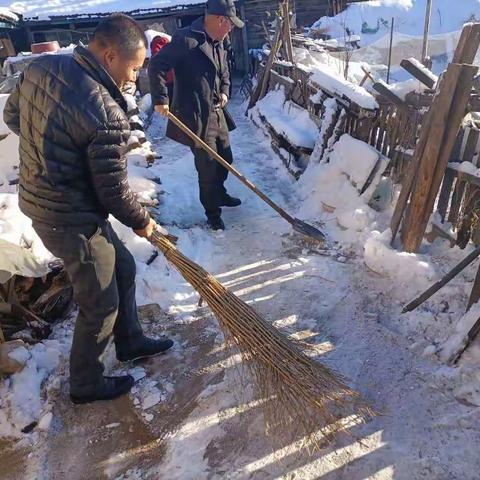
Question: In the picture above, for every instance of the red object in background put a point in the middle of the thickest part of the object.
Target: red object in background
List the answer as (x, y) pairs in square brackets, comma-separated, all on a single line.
[(156, 45), (45, 47)]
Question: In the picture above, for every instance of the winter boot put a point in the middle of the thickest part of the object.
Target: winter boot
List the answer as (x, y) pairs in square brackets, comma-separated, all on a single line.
[(113, 387)]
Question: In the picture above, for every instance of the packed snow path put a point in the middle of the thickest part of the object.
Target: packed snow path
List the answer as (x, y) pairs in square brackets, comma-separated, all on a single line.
[(198, 422), (325, 299)]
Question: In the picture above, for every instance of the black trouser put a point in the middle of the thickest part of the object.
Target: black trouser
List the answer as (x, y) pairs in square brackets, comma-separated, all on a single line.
[(211, 175), (170, 93), (102, 272)]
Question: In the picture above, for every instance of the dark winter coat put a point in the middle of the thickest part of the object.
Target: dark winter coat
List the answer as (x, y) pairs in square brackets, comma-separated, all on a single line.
[(70, 117), (195, 71)]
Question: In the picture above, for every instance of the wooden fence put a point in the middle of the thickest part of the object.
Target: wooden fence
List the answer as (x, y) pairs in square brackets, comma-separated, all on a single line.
[(393, 129)]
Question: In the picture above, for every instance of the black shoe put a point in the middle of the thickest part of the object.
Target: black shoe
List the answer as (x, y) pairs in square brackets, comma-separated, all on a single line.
[(113, 387), (216, 223), (147, 347), (229, 201)]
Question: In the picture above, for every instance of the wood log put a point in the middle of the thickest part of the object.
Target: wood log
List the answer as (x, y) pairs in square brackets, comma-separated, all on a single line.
[(419, 71)]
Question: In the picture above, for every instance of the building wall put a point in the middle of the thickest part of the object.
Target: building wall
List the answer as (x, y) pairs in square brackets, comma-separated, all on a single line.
[(256, 11)]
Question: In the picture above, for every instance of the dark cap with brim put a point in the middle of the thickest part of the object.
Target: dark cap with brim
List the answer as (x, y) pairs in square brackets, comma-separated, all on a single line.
[(225, 8)]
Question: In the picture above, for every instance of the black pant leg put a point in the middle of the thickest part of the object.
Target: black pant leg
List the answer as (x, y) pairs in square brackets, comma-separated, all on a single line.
[(127, 330), (89, 258)]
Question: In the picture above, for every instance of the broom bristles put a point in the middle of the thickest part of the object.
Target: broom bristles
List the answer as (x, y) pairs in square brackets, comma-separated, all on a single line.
[(302, 394)]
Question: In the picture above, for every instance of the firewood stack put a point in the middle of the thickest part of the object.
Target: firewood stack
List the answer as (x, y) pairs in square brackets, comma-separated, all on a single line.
[(28, 308)]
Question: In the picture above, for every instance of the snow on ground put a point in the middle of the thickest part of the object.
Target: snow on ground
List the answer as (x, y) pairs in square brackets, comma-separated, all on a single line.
[(341, 295), (348, 298)]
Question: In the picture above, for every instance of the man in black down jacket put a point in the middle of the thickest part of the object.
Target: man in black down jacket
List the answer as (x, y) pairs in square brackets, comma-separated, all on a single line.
[(201, 91), (71, 119)]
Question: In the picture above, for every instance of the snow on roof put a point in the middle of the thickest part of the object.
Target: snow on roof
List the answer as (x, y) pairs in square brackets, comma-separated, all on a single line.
[(44, 9), (7, 14)]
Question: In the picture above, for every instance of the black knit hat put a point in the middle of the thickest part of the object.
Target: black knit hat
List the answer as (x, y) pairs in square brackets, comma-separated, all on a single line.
[(225, 8)]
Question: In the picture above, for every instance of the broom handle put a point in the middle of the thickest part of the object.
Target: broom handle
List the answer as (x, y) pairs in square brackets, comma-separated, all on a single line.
[(231, 169)]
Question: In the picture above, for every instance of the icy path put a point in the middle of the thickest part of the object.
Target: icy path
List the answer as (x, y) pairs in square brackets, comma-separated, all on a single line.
[(324, 299)]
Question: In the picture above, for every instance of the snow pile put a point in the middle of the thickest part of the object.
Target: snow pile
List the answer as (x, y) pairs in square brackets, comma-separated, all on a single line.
[(16, 228), (335, 186), (331, 82), (21, 395), (287, 118), (402, 267)]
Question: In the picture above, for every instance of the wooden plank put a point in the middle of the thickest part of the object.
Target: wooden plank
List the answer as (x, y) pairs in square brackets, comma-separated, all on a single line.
[(420, 72), (381, 87), (471, 335), (262, 85), (471, 192), (448, 179), (460, 186), (287, 35), (422, 100), (468, 44), (475, 293), (457, 198), (411, 174), (442, 282), (449, 110)]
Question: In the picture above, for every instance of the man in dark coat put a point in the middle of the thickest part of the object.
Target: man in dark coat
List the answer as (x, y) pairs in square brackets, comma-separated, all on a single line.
[(201, 92), (71, 118)]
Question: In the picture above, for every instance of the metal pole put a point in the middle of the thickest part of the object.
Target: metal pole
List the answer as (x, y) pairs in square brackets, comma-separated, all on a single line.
[(426, 30), (390, 51)]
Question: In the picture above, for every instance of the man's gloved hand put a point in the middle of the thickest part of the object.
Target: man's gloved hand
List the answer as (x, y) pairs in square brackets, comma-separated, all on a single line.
[(162, 110), (148, 230), (223, 100)]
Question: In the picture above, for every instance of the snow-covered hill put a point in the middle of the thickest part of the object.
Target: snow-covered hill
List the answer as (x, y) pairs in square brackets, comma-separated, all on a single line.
[(447, 16)]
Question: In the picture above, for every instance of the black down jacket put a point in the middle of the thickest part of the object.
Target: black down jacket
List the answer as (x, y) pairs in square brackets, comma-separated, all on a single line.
[(70, 117), (195, 72)]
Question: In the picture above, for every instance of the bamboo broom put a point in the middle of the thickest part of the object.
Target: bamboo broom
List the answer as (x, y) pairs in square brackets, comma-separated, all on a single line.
[(300, 395)]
